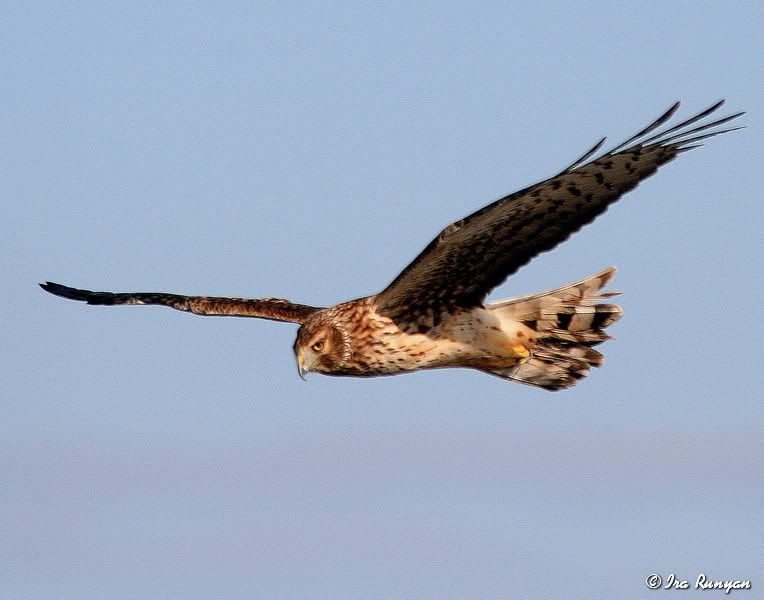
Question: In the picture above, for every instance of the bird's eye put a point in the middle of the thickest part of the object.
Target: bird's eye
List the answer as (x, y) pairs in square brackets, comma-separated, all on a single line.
[(318, 346)]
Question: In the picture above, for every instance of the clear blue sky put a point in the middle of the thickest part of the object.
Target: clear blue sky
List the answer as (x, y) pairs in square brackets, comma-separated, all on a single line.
[(309, 151)]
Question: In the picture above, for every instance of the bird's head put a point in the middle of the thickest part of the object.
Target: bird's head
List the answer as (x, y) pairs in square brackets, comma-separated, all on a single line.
[(321, 346)]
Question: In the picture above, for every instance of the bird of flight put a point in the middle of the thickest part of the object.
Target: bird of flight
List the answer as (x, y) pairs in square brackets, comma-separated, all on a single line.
[(434, 315)]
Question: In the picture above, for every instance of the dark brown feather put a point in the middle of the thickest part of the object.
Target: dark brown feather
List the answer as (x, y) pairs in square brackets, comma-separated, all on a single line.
[(472, 256), (266, 308)]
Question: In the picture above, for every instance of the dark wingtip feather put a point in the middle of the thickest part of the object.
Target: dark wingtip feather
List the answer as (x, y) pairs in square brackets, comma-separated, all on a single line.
[(688, 148), (66, 292), (674, 134), (663, 138), (713, 107), (680, 143), (651, 127), (583, 157)]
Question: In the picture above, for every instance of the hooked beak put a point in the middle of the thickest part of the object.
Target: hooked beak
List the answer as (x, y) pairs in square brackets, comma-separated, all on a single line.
[(301, 370)]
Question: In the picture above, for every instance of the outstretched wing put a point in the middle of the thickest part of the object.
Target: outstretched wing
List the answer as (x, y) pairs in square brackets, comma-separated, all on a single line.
[(265, 308), (472, 256)]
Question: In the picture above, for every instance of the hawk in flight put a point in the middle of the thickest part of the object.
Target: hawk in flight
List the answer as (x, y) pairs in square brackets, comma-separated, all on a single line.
[(434, 315)]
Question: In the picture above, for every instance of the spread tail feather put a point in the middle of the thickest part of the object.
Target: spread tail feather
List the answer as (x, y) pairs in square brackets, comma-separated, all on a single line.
[(569, 321)]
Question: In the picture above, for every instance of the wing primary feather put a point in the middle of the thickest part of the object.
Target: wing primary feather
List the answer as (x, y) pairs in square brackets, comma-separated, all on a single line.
[(651, 127), (583, 157), (688, 148), (65, 291), (697, 138)]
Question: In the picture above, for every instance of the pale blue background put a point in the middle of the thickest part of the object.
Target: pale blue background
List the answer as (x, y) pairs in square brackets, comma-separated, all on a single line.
[(310, 151)]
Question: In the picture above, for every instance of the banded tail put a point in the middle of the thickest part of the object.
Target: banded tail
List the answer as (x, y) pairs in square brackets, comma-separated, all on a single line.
[(569, 321)]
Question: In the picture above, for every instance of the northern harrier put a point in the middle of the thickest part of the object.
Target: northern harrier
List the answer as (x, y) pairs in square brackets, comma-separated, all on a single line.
[(433, 315)]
